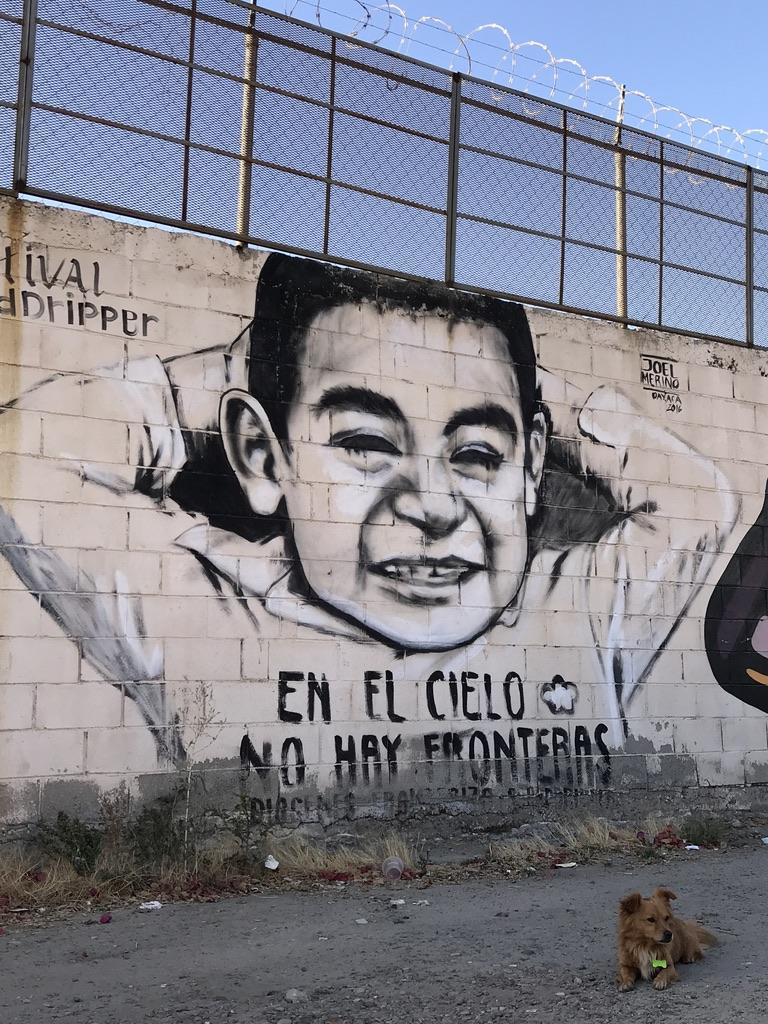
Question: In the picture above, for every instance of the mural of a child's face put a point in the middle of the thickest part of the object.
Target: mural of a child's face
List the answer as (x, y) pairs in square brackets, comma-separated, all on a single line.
[(407, 491)]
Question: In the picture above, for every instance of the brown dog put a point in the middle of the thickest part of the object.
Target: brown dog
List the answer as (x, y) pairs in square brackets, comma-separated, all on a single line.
[(652, 940)]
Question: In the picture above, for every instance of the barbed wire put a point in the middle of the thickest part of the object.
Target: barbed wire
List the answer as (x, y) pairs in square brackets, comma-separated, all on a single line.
[(488, 51)]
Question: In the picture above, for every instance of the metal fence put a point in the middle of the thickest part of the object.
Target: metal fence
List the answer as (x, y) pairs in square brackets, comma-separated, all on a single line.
[(219, 117)]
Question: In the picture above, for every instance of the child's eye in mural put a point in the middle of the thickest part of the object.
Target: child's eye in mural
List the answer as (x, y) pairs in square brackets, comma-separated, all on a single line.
[(737, 619), (368, 451), (477, 456)]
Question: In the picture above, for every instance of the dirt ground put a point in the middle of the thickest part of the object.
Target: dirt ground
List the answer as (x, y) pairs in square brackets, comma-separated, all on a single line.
[(541, 949)]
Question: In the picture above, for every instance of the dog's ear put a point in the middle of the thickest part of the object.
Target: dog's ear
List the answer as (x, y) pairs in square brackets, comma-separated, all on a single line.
[(630, 904), (665, 894)]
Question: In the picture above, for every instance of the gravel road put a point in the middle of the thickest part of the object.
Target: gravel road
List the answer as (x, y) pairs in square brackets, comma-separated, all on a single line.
[(541, 949)]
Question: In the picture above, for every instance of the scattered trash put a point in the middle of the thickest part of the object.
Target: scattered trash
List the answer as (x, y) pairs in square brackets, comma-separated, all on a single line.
[(692, 846), (397, 903), (668, 837), (764, 840), (151, 905), (322, 938), (421, 903), (2, 931), (392, 869), (295, 995), (567, 864), (20, 910), (271, 864), (336, 876), (361, 920), (105, 919)]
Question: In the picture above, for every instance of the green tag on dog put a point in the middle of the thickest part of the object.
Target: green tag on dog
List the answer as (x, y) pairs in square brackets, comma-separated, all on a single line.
[(659, 963)]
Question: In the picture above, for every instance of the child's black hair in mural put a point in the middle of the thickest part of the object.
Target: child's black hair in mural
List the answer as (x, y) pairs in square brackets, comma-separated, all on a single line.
[(736, 627), (291, 293)]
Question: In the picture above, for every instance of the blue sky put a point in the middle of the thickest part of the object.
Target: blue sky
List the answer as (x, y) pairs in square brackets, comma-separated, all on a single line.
[(705, 57)]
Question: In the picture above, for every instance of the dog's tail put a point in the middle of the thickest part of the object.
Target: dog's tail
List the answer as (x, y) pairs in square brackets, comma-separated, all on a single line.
[(706, 938)]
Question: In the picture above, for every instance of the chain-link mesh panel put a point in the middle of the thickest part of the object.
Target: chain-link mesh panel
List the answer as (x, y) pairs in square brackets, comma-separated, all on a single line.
[(390, 161), (760, 259), (125, 21), (760, 210), (394, 65), (396, 102), (287, 209), (642, 219), (7, 130), (120, 118), (94, 78), (496, 96), (694, 302), (642, 176), (515, 194), (504, 260), (10, 48), (697, 161), (760, 302), (703, 243), (290, 132), (590, 213), (223, 9), (216, 112), (220, 48), (105, 165), (590, 279), (643, 291), (590, 161), (708, 195), (376, 231), (507, 136), (10, 45), (640, 145), (295, 71), (213, 190)]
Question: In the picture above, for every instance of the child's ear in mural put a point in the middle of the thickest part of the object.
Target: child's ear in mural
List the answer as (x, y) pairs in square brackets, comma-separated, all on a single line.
[(536, 442), (253, 451), (736, 630)]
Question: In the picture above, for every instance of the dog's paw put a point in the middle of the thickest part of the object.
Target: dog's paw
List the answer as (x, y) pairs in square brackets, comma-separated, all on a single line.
[(626, 986), (660, 982)]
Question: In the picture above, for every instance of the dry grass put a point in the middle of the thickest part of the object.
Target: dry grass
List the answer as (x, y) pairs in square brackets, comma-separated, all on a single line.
[(302, 858), (34, 881), (40, 879), (584, 841)]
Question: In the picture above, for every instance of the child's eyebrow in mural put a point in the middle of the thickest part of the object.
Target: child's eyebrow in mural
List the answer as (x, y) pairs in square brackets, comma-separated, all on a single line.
[(425, 543)]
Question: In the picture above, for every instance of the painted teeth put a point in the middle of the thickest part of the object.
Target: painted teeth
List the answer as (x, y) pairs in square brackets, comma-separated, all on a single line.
[(419, 572)]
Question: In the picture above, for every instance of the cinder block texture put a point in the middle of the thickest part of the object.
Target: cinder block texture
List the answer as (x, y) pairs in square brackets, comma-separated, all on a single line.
[(396, 546)]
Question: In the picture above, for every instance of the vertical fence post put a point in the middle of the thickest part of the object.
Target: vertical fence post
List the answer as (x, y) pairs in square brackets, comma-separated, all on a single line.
[(563, 208), (454, 136), (188, 112), (246, 129), (24, 108), (620, 183), (329, 155), (661, 233), (749, 258)]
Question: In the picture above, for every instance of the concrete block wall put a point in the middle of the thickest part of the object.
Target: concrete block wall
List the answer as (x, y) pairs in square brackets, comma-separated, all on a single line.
[(397, 549)]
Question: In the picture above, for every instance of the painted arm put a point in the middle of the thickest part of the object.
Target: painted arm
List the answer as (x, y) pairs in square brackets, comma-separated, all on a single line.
[(651, 541), (100, 609)]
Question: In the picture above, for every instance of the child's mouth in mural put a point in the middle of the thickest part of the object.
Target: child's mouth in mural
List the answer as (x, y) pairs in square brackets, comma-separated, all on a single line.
[(432, 573)]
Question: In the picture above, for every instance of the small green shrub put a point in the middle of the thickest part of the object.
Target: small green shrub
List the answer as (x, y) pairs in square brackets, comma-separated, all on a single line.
[(706, 831), (156, 836), (71, 840)]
